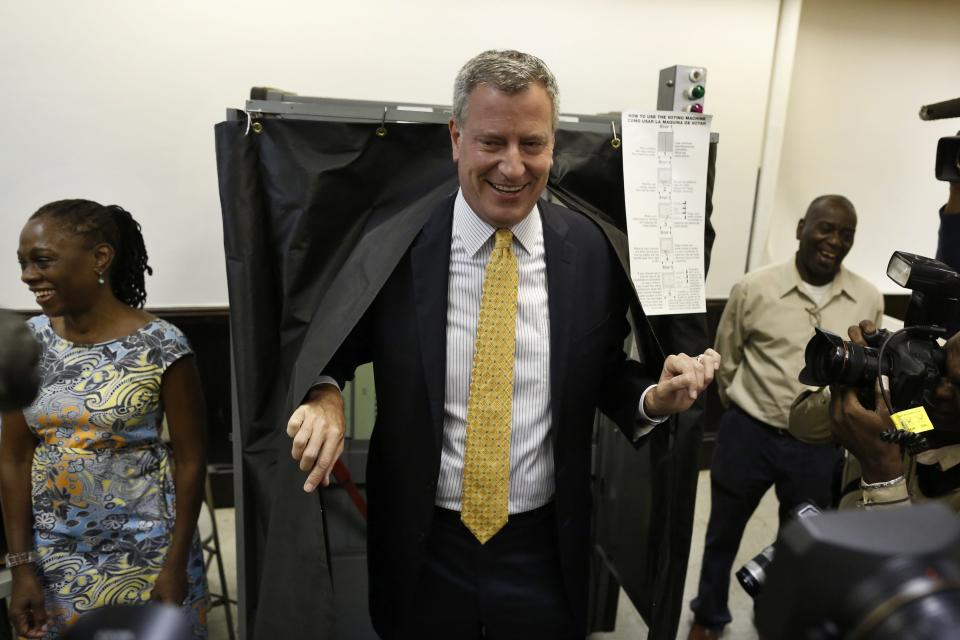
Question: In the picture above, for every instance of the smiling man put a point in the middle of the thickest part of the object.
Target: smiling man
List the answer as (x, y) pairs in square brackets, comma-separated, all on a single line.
[(503, 147), (495, 339), (766, 324)]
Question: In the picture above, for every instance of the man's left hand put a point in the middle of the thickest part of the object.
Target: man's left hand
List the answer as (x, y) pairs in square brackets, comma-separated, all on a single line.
[(682, 380)]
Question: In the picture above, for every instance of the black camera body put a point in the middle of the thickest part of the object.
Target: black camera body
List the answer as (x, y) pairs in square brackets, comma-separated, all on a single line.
[(948, 159), (948, 149), (913, 365), (867, 575), (911, 358)]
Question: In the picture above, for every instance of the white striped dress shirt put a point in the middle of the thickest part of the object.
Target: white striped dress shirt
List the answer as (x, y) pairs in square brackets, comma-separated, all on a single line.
[(531, 446)]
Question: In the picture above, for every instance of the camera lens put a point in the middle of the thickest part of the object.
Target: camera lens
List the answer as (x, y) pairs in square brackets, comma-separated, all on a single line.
[(905, 600), (935, 616), (829, 359), (753, 573)]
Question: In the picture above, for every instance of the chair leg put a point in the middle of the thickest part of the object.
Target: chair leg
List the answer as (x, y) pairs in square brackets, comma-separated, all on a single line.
[(225, 597)]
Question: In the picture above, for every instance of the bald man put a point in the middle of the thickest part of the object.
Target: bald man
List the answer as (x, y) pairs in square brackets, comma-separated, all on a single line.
[(768, 319)]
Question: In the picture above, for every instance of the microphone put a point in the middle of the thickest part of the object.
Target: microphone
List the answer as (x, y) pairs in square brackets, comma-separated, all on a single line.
[(941, 110)]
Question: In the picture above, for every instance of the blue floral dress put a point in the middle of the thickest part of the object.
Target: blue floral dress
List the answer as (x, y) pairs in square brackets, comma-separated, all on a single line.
[(103, 495)]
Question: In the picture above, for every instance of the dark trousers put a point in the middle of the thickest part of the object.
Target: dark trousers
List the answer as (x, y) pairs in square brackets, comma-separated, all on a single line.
[(509, 588), (750, 457)]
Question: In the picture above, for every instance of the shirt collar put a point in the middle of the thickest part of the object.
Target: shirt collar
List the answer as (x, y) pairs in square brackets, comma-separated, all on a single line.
[(474, 231), (791, 280), (947, 457)]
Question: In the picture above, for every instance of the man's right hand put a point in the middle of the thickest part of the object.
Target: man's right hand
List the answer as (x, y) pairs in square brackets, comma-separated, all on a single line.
[(317, 428)]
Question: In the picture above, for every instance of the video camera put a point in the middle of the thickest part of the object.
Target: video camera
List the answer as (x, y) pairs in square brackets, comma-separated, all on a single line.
[(948, 149), (865, 575), (911, 358)]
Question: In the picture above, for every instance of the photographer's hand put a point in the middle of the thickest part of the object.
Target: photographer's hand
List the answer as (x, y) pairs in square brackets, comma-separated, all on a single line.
[(857, 332), (858, 429)]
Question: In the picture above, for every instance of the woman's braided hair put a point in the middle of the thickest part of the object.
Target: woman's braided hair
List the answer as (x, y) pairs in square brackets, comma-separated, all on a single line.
[(115, 226)]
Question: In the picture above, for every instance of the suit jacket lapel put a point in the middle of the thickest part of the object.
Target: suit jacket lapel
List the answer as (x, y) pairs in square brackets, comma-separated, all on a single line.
[(430, 263), (561, 271)]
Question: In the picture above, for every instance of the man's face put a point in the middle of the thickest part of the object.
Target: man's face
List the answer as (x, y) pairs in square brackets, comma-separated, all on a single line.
[(826, 236), (504, 151)]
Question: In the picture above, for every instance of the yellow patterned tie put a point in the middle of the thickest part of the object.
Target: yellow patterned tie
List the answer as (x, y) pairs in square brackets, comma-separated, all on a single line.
[(486, 466)]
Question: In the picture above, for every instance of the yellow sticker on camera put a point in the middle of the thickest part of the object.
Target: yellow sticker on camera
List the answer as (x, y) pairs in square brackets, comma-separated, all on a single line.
[(914, 420)]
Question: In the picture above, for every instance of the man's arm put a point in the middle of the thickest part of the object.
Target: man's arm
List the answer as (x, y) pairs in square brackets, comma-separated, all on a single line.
[(858, 429), (730, 339), (318, 425), (882, 481), (636, 402)]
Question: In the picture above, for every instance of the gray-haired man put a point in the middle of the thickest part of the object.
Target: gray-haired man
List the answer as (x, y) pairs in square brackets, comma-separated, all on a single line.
[(496, 337)]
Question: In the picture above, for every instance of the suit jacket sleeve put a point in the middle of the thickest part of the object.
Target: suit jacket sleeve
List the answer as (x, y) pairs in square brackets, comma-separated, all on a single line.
[(351, 354), (625, 379)]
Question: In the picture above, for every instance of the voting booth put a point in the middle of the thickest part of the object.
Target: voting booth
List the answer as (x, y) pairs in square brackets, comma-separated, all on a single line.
[(307, 187)]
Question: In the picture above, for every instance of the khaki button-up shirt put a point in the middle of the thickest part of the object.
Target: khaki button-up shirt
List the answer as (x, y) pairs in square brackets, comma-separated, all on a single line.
[(765, 327)]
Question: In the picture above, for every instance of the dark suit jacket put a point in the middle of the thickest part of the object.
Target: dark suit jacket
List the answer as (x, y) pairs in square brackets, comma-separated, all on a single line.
[(403, 333)]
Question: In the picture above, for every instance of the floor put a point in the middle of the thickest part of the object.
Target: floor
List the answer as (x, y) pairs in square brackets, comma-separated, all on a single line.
[(760, 532), (216, 619)]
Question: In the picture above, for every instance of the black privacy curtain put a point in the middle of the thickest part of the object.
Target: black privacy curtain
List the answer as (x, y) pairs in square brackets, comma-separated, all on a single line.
[(315, 214)]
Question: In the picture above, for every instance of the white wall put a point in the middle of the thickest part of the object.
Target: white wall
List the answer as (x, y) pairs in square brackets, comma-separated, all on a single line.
[(116, 100), (862, 70)]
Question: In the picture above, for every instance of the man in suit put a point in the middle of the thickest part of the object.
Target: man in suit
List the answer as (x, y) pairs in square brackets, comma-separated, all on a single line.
[(494, 340)]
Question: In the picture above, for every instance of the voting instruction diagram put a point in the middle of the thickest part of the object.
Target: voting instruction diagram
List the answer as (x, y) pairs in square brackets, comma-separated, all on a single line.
[(664, 182)]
